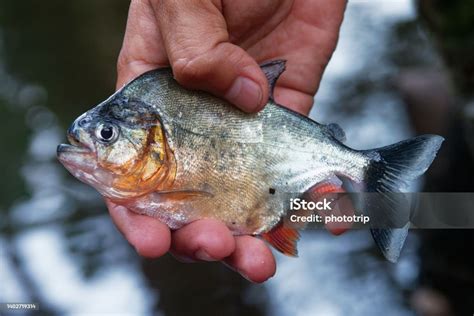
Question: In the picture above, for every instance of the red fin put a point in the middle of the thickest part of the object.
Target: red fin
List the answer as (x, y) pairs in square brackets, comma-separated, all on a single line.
[(325, 189), (283, 239)]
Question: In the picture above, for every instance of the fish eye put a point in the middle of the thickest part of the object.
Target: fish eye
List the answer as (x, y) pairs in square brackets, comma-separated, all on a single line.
[(106, 133)]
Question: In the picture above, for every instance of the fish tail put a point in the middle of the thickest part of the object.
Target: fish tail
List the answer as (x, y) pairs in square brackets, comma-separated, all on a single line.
[(390, 169)]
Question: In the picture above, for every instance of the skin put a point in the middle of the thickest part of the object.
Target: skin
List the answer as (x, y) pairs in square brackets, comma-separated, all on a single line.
[(216, 46)]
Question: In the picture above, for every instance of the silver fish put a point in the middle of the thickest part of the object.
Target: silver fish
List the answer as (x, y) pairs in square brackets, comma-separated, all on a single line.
[(180, 155)]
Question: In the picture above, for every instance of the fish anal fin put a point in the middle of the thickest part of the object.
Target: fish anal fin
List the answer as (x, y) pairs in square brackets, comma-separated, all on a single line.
[(272, 70), (333, 190), (327, 188), (283, 239), (323, 189)]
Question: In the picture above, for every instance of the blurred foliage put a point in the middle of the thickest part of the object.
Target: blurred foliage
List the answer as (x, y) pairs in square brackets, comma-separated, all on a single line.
[(13, 146), (205, 289), (67, 46), (452, 23), (446, 259), (50, 42), (453, 20), (59, 45)]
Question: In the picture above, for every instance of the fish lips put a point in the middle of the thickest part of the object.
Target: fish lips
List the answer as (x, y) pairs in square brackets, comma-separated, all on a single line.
[(66, 148), (75, 146), (72, 157)]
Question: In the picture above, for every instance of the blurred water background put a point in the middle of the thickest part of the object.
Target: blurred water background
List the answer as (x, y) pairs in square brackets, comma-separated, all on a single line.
[(397, 72)]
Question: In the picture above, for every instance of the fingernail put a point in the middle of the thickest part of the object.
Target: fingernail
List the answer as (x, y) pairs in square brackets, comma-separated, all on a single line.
[(238, 271), (201, 254), (228, 266), (246, 94), (245, 276)]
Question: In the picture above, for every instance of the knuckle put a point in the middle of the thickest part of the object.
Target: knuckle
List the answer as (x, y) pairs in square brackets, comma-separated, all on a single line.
[(190, 71)]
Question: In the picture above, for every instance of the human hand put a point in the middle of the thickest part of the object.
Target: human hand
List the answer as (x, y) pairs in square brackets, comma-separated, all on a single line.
[(216, 46)]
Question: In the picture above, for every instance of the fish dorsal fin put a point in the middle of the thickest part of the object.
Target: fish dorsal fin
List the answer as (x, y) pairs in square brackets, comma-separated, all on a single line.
[(283, 239), (272, 70), (337, 132)]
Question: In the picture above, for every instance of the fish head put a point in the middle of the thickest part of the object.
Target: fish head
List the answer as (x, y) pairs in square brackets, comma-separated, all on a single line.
[(119, 148)]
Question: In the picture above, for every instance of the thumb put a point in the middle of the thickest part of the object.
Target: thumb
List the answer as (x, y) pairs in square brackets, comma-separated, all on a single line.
[(197, 44)]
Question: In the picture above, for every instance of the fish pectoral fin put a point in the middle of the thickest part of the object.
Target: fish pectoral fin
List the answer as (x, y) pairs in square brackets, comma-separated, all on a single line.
[(182, 195), (283, 239)]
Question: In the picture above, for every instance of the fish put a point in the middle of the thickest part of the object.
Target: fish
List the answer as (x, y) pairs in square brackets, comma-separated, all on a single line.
[(180, 155)]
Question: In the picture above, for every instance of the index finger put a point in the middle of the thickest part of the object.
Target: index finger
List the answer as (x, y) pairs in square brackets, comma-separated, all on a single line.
[(142, 48), (148, 236)]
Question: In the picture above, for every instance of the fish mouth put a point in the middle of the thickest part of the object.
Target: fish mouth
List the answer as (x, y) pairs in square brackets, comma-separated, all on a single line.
[(67, 148), (78, 159), (74, 146)]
